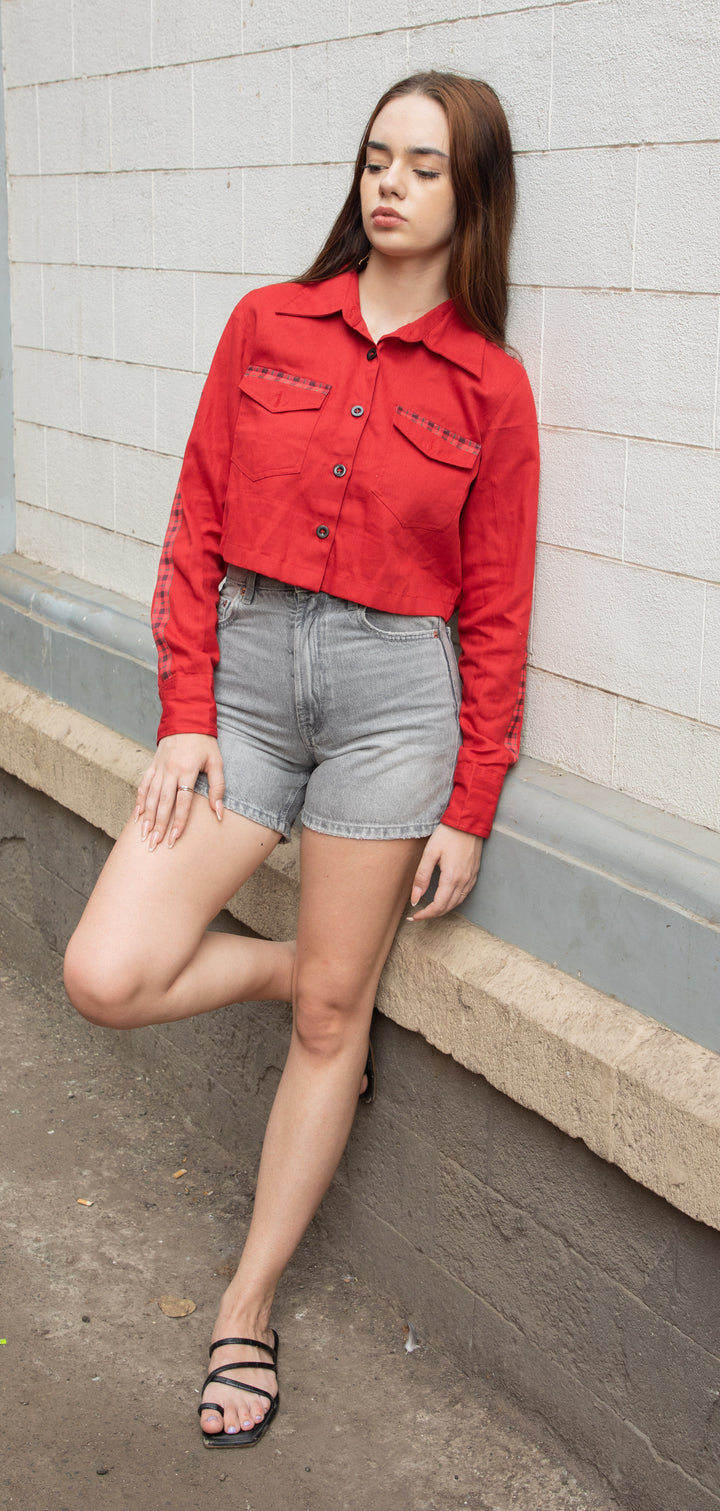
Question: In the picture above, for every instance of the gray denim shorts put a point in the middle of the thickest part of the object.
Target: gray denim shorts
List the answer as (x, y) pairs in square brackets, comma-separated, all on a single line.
[(344, 715)]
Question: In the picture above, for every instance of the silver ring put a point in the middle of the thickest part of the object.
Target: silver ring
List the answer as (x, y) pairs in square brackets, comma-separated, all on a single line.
[(183, 789)]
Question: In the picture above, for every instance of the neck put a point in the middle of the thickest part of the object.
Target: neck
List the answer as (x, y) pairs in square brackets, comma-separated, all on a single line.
[(396, 291)]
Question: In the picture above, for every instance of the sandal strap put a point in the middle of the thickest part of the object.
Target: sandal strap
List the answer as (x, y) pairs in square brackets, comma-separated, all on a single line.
[(217, 1378), (249, 1343), (211, 1406), (271, 1369)]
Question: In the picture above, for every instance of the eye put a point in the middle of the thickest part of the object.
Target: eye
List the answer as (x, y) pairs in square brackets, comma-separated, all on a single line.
[(373, 167), (426, 173)]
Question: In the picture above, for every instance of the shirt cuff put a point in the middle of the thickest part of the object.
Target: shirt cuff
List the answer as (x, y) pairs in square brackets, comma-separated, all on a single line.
[(475, 795), (188, 707)]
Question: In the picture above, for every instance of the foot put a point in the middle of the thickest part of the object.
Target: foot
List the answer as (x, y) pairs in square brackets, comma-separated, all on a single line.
[(242, 1410)]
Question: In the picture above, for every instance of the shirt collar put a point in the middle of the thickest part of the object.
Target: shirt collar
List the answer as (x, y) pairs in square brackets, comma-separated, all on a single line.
[(441, 330)]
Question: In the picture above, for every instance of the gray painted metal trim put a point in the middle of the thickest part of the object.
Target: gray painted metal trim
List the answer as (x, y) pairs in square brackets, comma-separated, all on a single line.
[(596, 882), (631, 912), (83, 645), (7, 470)]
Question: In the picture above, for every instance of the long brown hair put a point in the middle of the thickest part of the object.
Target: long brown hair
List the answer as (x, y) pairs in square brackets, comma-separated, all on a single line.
[(483, 179)]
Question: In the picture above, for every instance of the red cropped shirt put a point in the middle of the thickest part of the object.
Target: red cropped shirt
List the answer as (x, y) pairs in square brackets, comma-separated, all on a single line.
[(401, 474)]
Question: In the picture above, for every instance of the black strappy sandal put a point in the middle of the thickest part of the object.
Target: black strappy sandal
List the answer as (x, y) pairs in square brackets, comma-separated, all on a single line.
[(253, 1434), (368, 1095)]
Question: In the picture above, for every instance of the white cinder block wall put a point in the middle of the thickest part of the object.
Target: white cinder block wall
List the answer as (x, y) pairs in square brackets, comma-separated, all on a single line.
[(165, 158)]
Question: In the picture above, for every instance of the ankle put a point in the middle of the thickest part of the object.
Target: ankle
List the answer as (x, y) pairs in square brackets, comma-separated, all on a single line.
[(243, 1317)]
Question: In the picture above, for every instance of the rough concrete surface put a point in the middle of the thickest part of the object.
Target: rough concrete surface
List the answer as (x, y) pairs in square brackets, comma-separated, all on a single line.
[(100, 1388), (636, 1093)]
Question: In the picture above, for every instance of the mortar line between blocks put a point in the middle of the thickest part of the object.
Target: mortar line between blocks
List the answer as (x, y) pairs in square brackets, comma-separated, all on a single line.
[(152, 218), (72, 36), (151, 24), (292, 108), (112, 309), (42, 302), (242, 26)]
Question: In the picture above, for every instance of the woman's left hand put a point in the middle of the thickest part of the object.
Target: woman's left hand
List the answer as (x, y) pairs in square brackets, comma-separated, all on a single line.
[(458, 856)]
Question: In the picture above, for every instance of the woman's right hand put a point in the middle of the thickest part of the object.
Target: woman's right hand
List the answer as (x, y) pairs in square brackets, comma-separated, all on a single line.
[(165, 793)]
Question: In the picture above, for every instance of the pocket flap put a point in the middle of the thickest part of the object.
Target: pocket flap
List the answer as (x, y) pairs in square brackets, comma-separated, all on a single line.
[(277, 390), (435, 440)]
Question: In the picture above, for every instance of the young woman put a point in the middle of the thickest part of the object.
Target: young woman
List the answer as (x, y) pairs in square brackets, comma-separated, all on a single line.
[(363, 461)]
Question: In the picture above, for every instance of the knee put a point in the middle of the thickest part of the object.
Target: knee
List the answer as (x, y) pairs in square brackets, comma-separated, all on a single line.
[(100, 989), (323, 1017)]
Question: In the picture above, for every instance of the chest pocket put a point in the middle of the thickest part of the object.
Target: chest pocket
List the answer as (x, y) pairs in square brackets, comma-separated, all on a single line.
[(426, 472), (277, 415)]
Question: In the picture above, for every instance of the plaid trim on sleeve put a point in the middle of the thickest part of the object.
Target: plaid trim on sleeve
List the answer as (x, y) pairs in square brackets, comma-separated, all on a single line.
[(276, 375), (512, 738), (161, 600), (451, 436)]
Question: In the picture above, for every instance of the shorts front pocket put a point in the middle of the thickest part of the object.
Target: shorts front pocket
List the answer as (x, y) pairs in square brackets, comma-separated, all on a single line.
[(389, 626), (427, 471), (277, 416)]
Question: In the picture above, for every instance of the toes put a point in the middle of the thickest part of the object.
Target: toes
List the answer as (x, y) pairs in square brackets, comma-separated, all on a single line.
[(211, 1422)]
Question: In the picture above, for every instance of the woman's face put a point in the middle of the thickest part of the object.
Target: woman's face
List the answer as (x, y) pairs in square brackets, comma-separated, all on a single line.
[(406, 195)]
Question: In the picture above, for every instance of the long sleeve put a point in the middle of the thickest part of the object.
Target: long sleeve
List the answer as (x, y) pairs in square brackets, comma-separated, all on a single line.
[(498, 528), (184, 610)]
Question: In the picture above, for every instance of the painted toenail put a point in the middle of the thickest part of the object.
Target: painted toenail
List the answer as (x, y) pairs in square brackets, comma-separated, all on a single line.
[(231, 1429)]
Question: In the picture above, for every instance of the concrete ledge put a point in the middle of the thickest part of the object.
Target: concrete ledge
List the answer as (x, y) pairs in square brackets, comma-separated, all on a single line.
[(637, 1094), (609, 889)]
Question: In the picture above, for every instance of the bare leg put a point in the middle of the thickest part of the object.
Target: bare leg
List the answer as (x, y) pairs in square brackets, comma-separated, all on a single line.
[(140, 953), (352, 897)]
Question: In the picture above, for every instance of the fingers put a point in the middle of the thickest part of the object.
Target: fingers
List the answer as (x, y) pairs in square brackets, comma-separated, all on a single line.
[(216, 783), (165, 794), (428, 861), (458, 857)]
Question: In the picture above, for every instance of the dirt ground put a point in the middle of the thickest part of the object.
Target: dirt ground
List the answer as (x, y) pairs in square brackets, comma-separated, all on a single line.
[(100, 1388)]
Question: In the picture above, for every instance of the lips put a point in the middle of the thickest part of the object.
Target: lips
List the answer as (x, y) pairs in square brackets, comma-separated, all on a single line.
[(385, 217)]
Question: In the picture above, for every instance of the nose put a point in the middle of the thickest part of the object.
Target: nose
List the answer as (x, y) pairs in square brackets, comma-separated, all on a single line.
[(391, 180)]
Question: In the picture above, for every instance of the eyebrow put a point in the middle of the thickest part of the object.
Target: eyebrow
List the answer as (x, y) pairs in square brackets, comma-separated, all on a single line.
[(411, 151)]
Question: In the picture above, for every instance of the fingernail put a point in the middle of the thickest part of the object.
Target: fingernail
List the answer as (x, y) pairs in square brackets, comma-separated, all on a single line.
[(219, 810), (409, 917), (172, 839), (154, 837), (145, 829)]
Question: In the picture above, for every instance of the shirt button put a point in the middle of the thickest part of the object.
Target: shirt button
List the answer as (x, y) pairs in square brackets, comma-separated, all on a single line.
[(357, 410), (371, 354), (322, 532), (339, 470)]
